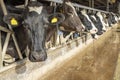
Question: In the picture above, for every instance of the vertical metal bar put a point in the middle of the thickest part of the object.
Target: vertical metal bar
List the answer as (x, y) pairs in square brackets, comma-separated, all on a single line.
[(13, 36), (119, 7), (5, 46), (17, 47), (26, 2), (1, 65), (92, 3), (0, 50), (107, 5)]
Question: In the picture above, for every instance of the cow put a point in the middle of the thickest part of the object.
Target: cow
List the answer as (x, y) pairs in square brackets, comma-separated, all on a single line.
[(97, 23), (71, 21), (111, 19), (98, 14), (86, 21), (33, 25)]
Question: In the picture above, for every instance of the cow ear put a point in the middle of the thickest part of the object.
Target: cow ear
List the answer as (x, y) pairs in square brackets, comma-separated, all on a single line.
[(55, 19), (13, 19)]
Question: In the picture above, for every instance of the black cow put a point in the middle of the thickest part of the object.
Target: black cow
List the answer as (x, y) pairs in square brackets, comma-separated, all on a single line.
[(19, 31), (32, 32), (36, 25)]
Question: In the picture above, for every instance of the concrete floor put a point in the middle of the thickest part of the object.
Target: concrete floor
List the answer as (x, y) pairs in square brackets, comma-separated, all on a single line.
[(99, 61)]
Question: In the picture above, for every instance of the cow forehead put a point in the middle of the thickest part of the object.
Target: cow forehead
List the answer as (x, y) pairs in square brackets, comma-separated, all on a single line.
[(72, 7), (35, 9)]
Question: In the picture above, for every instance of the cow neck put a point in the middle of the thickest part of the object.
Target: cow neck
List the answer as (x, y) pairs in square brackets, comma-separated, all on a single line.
[(69, 4), (36, 9)]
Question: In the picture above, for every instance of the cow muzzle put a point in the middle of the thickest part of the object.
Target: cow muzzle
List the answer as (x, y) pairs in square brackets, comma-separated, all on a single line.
[(93, 31), (37, 56)]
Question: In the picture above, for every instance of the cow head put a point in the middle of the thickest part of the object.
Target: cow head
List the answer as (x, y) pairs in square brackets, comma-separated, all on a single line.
[(33, 21), (91, 27), (36, 29), (101, 19), (72, 21)]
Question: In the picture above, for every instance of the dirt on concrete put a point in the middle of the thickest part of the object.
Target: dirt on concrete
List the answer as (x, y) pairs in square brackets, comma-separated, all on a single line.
[(98, 62)]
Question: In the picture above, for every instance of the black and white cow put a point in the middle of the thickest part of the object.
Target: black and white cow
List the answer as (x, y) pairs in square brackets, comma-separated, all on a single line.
[(115, 17), (97, 23), (98, 14), (72, 21), (86, 21), (111, 19)]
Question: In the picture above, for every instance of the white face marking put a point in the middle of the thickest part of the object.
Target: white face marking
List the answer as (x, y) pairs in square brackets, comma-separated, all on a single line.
[(96, 36), (94, 29), (69, 4), (94, 17), (36, 9), (83, 26), (116, 19), (101, 19)]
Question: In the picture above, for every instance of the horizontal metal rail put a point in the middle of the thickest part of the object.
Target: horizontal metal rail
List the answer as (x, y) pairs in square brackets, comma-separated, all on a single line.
[(5, 29), (80, 6)]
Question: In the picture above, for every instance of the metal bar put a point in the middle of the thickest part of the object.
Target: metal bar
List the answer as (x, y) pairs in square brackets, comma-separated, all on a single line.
[(119, 7), (92, 3), (85, 7), (26, 2), (80, 6), (107, 5), (0, 52), (17, 47), (5, 29), (5, 46), (13, 36)]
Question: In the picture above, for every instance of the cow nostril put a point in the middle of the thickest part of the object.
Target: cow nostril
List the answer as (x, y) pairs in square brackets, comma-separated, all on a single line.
[(96, 30)]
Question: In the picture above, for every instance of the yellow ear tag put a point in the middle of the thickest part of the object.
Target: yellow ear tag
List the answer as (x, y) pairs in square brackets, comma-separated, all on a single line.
[(54, 20), (14, 22)]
